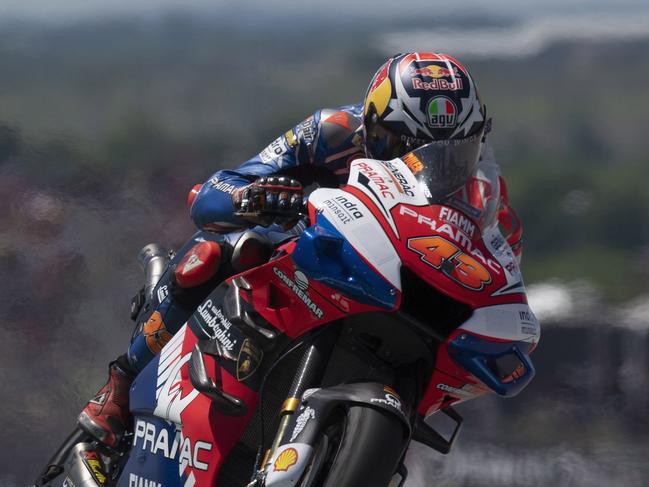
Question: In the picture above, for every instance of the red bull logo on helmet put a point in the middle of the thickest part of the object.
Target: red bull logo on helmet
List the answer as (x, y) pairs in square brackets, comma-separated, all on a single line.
[(437, 84), (435, 71), (442, 113), (438, 75)]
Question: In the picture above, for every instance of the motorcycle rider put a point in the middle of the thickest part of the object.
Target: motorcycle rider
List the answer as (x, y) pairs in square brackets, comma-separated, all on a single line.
[(413, 99)]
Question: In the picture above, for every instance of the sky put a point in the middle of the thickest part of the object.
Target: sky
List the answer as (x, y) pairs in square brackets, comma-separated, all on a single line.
[(54, 10), (470, 28)]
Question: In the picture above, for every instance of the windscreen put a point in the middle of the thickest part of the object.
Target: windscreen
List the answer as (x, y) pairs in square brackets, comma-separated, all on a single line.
[(443, 167), (449, 175)]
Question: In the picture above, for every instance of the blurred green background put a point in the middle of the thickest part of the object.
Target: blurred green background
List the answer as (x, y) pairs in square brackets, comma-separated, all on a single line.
[(107, 118)]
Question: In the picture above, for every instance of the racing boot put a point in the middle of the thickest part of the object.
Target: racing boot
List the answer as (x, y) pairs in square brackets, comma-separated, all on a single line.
[(106, 416)]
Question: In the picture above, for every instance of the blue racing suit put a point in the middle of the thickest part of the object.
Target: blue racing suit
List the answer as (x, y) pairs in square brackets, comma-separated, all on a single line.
[(317, 150)]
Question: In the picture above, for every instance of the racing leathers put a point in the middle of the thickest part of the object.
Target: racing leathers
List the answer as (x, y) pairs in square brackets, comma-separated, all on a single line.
[(318, 150)]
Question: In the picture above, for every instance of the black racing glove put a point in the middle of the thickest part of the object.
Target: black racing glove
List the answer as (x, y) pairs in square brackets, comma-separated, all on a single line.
[(274, 199)]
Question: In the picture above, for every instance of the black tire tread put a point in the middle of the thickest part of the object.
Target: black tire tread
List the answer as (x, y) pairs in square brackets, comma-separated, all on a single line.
[(370, 449)]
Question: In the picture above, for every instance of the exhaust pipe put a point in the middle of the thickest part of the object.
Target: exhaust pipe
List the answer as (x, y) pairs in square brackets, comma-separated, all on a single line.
[(153, 259)]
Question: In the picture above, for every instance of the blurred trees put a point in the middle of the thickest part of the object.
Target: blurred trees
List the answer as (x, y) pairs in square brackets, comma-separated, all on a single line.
[(166, 103)]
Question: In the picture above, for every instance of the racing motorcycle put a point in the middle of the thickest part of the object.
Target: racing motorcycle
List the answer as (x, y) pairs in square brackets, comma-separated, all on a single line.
[(349, 341)]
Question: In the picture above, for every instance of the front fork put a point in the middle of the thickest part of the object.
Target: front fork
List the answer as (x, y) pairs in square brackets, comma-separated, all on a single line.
[(309, 374)]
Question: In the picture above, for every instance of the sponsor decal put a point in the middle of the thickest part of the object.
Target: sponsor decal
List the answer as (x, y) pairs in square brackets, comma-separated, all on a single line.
[(413, 163), (437, 84), (344, 208), (442, 113), (399, 180), (155, 333), (435, 71), (457, 219), (219, 325), (497, 240), (91, 459), (299, 285), (529, 323), (248, 360), (275, 149), (301, 280), (137, 481), (192, 262), (285, 460), (455, 232), (100, 398), (306, 131), (391, 399), (291, 139), (162, 292), (382, 185), (222, 186), (301, 421), (68, 483), (454, 390), (180, 447)]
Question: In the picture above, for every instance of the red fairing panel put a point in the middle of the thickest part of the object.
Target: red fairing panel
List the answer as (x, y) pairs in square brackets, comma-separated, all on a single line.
[(293, 303), (472, 267), (211, 434), (449, 384)]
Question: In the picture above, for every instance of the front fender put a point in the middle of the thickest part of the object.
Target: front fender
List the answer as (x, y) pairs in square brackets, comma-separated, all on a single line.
[(316, 407), (323, 401)]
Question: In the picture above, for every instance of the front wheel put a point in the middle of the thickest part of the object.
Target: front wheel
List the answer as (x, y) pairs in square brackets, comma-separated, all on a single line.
[(360, 446)]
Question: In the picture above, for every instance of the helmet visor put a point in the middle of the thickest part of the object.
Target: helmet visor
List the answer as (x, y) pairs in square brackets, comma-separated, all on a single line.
[(444, 166), (384, 145)]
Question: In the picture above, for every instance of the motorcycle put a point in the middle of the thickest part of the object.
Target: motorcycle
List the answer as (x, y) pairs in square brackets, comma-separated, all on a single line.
[(350, 341)]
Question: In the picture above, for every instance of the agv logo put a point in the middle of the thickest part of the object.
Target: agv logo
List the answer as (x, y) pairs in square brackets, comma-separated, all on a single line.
[(442, 113)]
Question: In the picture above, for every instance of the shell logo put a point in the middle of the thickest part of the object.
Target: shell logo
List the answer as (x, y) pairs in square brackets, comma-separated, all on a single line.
[(285, 460)]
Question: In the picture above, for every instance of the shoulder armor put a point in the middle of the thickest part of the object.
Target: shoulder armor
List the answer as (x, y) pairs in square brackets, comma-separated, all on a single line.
[(336, 126)]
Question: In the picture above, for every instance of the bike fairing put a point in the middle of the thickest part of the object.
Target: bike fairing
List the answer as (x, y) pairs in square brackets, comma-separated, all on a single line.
[(176, 400), (321, 149)]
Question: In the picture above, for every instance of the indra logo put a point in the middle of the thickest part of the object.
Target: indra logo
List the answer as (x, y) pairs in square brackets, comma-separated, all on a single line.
[(442, 113)]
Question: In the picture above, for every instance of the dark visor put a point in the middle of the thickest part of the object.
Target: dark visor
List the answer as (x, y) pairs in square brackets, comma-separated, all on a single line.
[(383, 144), (444, 166)]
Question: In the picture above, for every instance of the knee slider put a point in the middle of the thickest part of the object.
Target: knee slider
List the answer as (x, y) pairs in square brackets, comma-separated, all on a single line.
[(199, 265)]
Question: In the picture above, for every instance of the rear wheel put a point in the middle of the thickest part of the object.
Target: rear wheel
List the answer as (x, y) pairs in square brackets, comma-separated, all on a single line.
[(360, 446)]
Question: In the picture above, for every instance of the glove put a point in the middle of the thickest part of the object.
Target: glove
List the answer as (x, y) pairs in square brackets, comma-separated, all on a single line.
[(269, 200)]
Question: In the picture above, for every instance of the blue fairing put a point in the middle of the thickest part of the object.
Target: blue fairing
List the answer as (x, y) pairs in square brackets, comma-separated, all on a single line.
[(142, 397), (479, 356), (324, 254), (153, 435), (156, 444)]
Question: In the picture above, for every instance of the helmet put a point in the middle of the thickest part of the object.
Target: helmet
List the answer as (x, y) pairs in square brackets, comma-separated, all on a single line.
[(426, 99)]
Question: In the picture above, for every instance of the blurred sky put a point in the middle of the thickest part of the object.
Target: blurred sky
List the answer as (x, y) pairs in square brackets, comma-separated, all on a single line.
[(74, 9), (470, 28)]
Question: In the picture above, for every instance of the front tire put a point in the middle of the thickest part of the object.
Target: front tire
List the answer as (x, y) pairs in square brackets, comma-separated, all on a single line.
[(362, 446)]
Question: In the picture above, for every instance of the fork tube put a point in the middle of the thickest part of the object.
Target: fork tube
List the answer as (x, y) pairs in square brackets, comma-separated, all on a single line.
[(309, 374)]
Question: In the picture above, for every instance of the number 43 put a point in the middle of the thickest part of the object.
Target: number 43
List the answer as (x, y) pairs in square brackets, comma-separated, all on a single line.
[(450, 260)]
